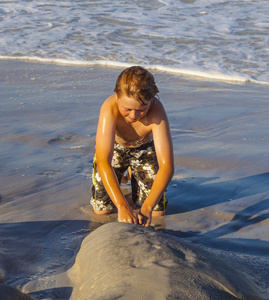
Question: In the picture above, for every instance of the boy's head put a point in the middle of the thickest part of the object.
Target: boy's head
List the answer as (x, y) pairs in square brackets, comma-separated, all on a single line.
[(138, 83)]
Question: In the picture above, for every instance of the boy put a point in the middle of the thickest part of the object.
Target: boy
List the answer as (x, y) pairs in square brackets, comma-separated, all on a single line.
[(133, 133)]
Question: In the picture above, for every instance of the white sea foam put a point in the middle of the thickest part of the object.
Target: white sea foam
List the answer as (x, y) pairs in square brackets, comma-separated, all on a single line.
[(188, 72), (223, 40)]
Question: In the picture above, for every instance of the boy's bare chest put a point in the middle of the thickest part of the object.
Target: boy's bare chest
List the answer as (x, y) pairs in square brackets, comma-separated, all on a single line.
[(131, 133)]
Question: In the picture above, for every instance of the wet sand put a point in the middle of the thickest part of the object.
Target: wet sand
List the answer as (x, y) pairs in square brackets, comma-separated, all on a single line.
[(218, 198)]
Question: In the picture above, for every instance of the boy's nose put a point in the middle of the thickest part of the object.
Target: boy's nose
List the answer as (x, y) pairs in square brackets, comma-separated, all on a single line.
[(134, 114)]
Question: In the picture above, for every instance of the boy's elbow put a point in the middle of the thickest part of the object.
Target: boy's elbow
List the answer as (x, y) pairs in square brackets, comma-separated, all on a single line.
[(169, 169), (102, 164)]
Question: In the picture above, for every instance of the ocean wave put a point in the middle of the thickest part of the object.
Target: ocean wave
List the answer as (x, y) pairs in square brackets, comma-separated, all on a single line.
[(205, 74)]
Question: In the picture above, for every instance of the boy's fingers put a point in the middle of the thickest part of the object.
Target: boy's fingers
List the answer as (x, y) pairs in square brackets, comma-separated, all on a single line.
[(128, 217), (135, 219), (145, 221), (140, 219)]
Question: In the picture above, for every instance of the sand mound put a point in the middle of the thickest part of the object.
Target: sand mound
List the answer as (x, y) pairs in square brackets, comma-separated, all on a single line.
[(11, 293), (125, 261)]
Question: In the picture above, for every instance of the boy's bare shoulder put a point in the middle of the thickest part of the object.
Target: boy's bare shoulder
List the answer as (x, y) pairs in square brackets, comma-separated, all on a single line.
[(110, 101), (157, 111), (110, 105)]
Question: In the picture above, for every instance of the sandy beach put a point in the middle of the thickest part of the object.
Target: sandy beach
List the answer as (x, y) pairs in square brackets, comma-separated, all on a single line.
[(213, 241)]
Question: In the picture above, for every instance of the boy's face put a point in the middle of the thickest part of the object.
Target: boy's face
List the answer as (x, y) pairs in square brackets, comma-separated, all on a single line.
[(131, 109)]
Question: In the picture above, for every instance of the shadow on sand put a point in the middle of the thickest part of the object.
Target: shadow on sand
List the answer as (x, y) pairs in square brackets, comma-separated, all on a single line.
[(32, 250), (197, 193)]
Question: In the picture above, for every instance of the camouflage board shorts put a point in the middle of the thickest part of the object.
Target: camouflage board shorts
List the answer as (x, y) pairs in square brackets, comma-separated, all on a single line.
[(143, 163)]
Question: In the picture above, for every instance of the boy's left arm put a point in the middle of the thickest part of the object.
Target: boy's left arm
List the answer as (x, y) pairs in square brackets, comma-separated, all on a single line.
[(164, 151)]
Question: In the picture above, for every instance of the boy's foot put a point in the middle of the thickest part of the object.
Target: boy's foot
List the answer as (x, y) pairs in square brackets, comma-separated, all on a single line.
[(157, 213), (103, 212)]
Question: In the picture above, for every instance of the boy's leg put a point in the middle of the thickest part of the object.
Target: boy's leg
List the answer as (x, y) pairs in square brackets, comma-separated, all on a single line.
[(100, 200), (144, 167), (135, 197), (126, 177)]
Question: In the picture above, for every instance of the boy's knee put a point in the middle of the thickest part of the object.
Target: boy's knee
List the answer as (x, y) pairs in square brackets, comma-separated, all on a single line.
[(103, 212), (158, 213)]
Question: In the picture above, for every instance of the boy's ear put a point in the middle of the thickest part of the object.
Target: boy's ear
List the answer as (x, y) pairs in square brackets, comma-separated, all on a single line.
[(117, 97)]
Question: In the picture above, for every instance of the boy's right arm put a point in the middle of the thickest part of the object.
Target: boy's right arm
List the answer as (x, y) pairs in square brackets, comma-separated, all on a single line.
[(105, 139)]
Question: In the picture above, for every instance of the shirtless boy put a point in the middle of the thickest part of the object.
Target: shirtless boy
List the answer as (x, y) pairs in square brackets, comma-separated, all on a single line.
[(133, 132)]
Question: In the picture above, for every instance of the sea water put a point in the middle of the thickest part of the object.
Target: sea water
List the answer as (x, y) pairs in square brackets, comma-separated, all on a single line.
[(218, 39)]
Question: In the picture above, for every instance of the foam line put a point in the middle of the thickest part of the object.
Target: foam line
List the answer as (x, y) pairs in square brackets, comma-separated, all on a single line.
[(234, 78)]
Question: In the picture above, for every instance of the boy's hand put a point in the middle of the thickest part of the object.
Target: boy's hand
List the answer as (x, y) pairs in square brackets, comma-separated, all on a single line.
[(144, 217), (126, 215)]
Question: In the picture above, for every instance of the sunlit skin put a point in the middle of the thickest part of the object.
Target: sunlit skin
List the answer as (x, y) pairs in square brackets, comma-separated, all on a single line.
[(131, 109), (126, 120)]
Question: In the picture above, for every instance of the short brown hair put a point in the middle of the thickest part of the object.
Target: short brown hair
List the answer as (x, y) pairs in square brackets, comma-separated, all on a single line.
[(136, 82)]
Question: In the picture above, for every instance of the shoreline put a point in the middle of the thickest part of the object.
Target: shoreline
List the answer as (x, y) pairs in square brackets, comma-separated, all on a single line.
[(192, 73)]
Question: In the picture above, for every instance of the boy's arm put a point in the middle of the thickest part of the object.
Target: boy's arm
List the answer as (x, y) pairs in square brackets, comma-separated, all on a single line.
[(164, 151), (104, 151)]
